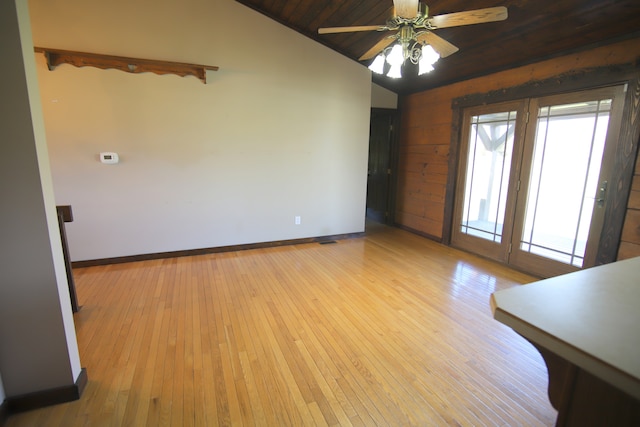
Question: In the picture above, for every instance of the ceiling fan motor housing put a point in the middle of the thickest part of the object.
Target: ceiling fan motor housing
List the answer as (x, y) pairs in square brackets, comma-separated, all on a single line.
[(419, 19)]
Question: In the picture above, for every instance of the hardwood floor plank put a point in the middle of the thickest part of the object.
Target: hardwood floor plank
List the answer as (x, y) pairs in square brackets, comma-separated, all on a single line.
[(385, 329)]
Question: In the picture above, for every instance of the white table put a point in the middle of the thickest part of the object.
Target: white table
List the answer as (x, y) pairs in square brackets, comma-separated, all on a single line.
[(586, 325)]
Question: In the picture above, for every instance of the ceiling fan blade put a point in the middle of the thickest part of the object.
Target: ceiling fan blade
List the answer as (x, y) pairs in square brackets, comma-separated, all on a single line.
[(378, 47), (332, 30), (478, 16), (406, 8), (440, 45)]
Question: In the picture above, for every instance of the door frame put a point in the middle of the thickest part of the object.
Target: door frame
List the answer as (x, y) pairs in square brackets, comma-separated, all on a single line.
[(620, 186)]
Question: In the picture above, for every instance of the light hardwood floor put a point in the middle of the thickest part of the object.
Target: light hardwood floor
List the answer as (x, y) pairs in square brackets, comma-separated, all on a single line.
[(388, 329)]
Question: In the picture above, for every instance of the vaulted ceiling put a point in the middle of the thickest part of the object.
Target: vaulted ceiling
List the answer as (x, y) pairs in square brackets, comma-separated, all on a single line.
[(535, 30)]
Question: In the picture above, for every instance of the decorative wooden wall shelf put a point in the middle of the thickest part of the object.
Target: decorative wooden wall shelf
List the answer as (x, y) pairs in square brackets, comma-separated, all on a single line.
[(56, 57)]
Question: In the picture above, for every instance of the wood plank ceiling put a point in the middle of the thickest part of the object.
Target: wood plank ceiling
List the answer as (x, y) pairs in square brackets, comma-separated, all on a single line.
[(535, 30)]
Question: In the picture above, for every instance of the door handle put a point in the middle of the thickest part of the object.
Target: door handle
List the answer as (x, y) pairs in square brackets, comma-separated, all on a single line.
[(602, 194)]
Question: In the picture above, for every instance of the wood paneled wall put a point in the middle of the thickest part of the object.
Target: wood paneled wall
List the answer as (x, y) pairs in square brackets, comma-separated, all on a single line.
[(426, 130), (630, 241)]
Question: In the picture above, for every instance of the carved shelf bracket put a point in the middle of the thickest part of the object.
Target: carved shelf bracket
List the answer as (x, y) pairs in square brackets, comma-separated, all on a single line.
[(56, 57)]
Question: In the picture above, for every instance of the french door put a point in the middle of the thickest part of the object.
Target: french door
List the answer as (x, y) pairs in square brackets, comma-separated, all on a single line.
[(533, 178)]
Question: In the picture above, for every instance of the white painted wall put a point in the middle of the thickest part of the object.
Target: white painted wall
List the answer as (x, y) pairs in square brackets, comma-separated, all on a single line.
[(383, 98), (280, 131), (38, 349)]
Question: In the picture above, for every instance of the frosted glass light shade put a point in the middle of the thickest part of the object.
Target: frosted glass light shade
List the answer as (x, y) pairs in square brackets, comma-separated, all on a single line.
[(396, 57), (395, 71), (429, 54), (377, 66), (424, 67), (427, 59)]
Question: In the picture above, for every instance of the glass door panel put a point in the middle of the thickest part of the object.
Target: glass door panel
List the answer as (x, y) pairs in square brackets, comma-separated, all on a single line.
[(566, 165), (562, 190), (488, 169), (483, 208)]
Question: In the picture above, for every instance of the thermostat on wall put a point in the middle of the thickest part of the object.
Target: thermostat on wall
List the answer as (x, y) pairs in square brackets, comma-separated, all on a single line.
[(109, 158)]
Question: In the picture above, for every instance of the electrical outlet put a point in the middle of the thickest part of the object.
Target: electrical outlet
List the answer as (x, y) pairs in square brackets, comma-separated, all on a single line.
[(297, 220)]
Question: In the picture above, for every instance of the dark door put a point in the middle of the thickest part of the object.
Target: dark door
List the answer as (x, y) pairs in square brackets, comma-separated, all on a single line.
[(381, 158)]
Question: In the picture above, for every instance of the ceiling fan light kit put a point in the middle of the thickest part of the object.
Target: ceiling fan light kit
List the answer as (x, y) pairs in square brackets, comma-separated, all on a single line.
[(423, 55), (414, 39)]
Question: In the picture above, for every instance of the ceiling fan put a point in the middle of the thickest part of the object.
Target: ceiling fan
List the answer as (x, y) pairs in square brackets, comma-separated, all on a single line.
[(413, 29)]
